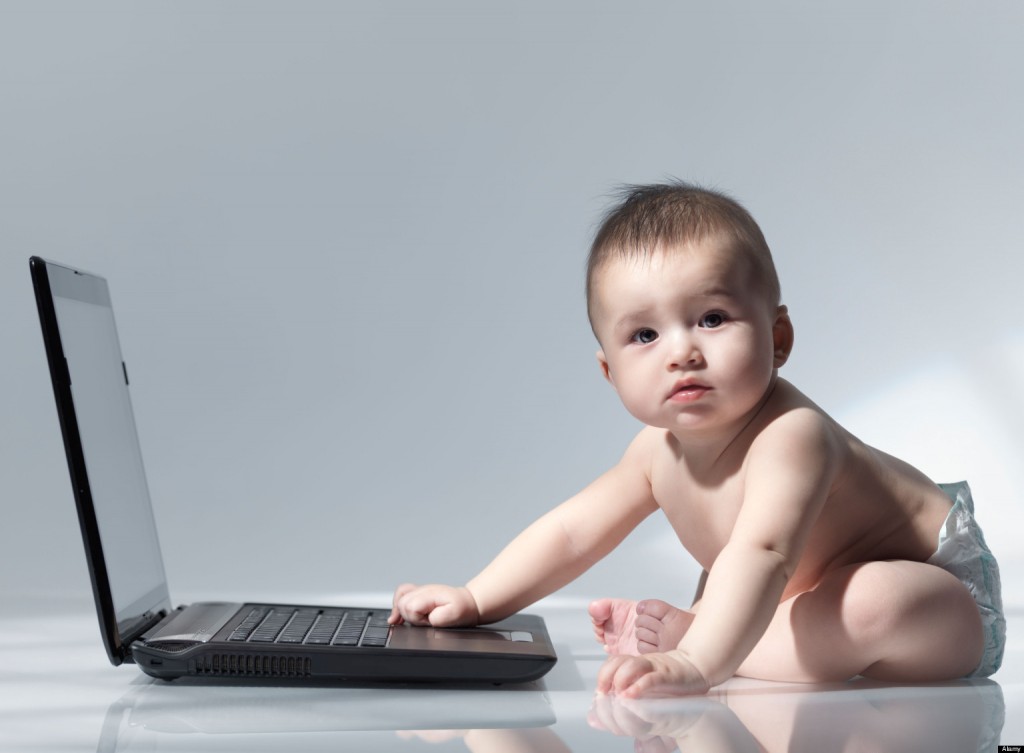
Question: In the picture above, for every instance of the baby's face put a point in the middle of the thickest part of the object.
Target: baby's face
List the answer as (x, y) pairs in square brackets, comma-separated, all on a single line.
[(688, 337)]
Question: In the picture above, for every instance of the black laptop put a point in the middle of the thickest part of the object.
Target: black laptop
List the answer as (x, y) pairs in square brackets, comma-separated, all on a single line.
[(251, 641)]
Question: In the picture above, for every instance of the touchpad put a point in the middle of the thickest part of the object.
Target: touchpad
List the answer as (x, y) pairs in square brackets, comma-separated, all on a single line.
[(486, 634)]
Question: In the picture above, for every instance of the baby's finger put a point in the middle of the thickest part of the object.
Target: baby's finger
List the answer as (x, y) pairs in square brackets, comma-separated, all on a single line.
[(638, 685), (395, 618), (632, 678), (402, 590), (417, 606), (442, 615), (607, 672), (656, 684), (620, 672)]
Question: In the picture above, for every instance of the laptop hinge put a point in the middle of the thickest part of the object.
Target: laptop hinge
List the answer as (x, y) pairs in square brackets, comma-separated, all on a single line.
[(134, 629)]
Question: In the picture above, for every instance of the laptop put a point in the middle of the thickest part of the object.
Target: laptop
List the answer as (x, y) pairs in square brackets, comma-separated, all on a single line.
[(231, 639)]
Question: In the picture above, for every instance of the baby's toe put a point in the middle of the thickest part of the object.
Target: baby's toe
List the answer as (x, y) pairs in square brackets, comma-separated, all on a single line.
[(655, 608), (600, 610)]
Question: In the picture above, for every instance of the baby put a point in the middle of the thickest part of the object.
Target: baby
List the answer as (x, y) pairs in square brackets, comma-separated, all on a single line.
[(824, 558)]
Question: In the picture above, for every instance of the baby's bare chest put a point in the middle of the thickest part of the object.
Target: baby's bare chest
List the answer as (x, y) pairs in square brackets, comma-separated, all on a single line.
[(702, 515)]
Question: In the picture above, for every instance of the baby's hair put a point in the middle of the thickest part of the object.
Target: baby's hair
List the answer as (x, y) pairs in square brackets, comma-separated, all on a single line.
[(647, 218)]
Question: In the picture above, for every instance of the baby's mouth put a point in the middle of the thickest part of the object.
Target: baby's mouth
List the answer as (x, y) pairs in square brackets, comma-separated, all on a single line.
[(687, 391)]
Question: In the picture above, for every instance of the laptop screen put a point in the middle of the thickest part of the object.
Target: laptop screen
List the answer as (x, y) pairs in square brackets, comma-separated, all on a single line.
[(106, 427)]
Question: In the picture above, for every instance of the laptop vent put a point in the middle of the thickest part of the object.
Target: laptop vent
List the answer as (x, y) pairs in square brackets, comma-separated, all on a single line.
[(252, 665)]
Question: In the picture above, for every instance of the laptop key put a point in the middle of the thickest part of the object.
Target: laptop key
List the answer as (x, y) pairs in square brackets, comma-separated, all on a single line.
[(244, 628), (269, 629), (375, 636), (324, 629), (297, 628)]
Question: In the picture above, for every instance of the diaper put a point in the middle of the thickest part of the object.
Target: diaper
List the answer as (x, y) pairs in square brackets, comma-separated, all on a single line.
[(962, 552)]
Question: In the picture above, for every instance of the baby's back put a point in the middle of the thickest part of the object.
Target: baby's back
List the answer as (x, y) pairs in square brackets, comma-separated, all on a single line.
[(880, 508)]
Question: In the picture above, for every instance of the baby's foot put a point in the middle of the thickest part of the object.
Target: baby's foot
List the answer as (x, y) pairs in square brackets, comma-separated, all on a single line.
[(630, 627), (615, 625), (660, 626)]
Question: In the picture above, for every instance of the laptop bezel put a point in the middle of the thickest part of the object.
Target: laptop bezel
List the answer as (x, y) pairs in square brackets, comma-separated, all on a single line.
[(117, 638)]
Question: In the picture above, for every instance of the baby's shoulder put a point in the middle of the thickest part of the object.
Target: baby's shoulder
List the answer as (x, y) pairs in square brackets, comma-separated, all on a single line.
[(650, 451), (794, 426), (646, 446)]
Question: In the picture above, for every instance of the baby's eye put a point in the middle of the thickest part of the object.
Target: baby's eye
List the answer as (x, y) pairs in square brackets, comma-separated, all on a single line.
[(644, 336), (713, 319)]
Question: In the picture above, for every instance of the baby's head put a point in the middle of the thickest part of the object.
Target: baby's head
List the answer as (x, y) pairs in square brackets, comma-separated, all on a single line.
[(667, 217)]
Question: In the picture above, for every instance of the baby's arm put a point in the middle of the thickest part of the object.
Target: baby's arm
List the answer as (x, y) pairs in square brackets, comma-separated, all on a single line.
[(550, 553), (791, 468)]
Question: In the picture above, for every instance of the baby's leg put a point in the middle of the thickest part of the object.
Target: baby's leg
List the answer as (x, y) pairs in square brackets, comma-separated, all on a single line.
[(897, 621), (638, 627)]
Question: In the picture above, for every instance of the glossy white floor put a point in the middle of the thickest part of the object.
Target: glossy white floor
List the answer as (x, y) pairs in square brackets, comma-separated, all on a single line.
[(58, 693)]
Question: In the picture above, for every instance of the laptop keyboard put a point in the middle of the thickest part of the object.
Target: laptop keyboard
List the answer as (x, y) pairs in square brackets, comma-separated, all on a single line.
[(319, 627)]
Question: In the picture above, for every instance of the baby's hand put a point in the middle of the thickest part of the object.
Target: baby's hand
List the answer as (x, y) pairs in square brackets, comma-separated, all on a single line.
[(651, 676), (436, 605)]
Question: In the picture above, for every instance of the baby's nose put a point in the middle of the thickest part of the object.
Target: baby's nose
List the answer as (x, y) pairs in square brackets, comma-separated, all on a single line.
[(685, 353)]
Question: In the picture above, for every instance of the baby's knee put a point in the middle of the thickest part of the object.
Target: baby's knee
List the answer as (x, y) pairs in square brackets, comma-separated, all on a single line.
[(889, 599), (870, 607)]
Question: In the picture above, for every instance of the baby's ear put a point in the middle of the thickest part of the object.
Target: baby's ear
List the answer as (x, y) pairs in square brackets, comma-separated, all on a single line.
[(603, 363), (782, 336)]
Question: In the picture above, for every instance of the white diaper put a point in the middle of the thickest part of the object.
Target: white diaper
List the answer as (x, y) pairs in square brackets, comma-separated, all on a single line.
[(962, 552)]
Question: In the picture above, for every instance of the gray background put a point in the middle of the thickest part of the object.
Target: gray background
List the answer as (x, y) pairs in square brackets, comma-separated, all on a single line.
[(345, 243)]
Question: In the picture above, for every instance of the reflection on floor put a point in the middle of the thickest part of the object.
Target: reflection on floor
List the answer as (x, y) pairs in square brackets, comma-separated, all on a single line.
[(959, 717), (862, 716)]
